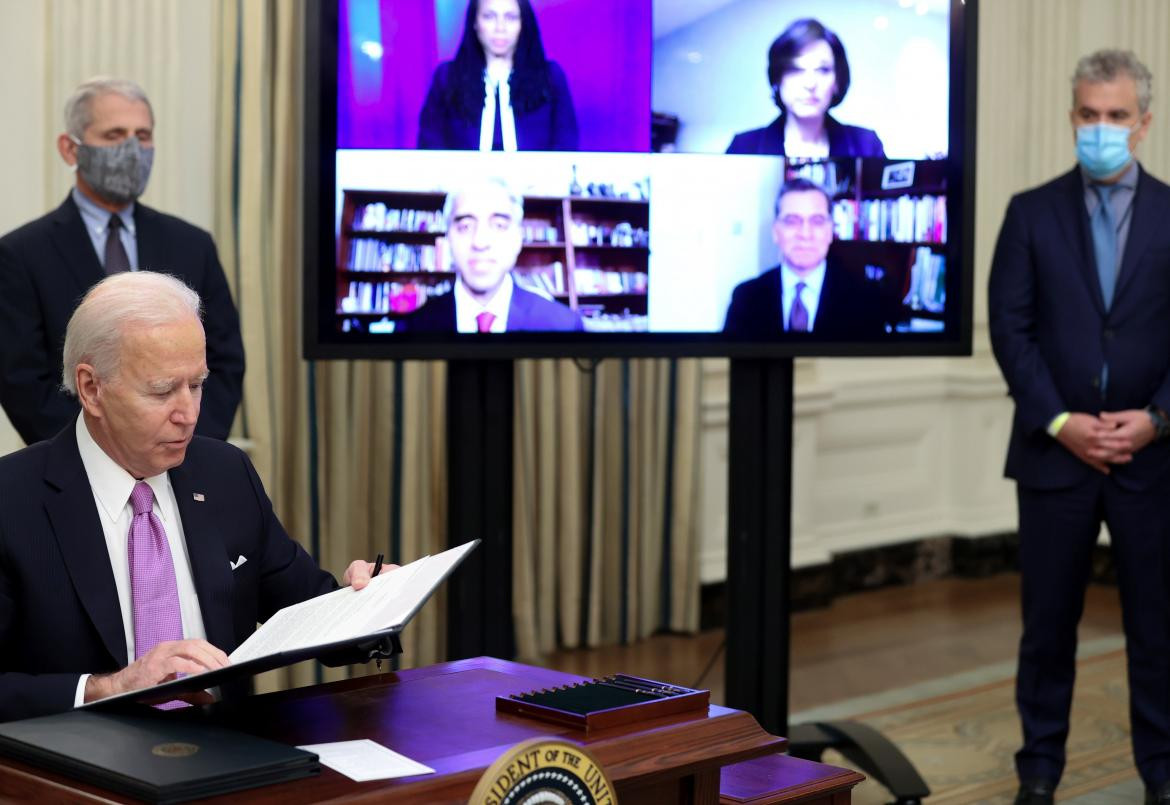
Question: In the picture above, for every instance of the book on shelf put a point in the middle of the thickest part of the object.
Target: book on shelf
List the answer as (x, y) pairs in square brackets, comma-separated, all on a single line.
[(377, 217), (904, 219), (597, 281), (926, 286)]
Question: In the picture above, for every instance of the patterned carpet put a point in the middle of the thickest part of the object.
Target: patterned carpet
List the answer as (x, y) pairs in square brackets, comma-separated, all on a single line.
[(960, 734)]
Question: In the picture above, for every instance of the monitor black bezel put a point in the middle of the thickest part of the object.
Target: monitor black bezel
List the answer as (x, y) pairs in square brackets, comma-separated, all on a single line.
[(320, 340)]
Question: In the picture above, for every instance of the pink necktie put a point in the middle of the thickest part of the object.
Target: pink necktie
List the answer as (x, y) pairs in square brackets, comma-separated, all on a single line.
[(152, 576), (484, 321)]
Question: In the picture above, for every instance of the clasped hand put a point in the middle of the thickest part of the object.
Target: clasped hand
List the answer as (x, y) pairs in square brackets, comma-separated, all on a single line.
[(1113, 437)]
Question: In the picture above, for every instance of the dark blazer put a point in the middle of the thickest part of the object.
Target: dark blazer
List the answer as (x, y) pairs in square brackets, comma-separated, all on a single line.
[(844, 141), (848, 310), (549, 127), (1051, 333), (527, 312), (46, 266), (59, 613)]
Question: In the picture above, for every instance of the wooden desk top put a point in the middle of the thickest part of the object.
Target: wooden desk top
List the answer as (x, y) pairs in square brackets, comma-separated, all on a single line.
[(444, 716)]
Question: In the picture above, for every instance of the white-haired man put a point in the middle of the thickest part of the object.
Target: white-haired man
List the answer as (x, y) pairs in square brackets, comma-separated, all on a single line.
[(47, 265), (132, 549)]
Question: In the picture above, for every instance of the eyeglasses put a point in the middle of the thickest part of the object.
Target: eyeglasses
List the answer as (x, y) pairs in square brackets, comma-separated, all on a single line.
[(795, 222)]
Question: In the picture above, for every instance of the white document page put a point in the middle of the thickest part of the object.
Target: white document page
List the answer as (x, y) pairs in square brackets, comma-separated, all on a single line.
[(366, 760), (387, 601)]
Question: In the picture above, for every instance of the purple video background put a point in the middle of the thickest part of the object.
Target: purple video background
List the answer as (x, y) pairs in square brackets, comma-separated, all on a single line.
[(388, 50)]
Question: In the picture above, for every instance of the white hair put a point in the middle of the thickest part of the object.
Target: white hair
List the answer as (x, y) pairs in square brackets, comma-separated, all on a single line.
[(120, 301), (477, 185), (1109, 64), (79, 107)]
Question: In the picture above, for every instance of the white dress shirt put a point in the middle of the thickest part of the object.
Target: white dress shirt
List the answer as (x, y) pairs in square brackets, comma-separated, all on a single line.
[(813, 282), (111, 487), (468, 307), (496, 76)]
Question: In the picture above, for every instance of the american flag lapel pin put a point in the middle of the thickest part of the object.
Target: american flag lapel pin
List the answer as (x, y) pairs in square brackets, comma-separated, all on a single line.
[(198, 497)]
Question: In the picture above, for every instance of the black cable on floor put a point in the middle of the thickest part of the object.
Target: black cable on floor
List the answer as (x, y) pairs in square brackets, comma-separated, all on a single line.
[(711, 663)]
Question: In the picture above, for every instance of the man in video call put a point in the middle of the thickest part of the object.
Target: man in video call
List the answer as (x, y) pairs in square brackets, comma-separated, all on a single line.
[(485, 237), (131, 549), (807, 293), (1079, 315), (101, 228)]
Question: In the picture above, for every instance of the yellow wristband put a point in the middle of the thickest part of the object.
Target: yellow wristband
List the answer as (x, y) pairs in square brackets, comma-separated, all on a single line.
[(1057, 423)]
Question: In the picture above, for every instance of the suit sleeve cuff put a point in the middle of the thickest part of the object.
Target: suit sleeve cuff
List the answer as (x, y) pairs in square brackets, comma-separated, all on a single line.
[(79, 696), (1057, 423)]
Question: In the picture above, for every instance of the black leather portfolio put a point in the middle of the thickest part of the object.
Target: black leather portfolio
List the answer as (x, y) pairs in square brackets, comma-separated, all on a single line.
[(152, 757)]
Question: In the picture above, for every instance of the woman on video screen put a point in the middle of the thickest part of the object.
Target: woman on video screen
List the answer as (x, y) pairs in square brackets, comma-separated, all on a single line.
[(809, 75), (499, 93)]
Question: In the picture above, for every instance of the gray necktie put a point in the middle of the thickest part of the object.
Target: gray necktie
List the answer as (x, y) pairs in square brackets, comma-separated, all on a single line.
[(798, 316), (116, 258)]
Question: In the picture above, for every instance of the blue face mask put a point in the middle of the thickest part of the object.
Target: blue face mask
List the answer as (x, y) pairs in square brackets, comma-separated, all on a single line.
[(1103, 149)]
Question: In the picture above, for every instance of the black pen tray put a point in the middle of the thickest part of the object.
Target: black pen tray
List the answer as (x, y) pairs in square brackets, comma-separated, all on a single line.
[(605, 702)]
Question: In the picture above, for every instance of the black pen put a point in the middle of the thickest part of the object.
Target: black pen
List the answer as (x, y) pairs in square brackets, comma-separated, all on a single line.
[(377, 567)]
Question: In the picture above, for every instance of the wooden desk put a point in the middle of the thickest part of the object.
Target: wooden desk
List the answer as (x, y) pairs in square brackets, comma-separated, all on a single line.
[(444, 716)]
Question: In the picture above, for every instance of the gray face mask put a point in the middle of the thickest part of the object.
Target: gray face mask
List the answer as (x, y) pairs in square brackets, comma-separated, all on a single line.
[(117, 173)]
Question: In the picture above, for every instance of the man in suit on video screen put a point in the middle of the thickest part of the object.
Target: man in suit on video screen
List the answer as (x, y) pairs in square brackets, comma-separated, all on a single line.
[(484, 234), (807, 294)]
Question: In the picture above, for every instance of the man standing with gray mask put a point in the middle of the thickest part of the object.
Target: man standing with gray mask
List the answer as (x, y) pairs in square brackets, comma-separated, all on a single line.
[(46, 266)]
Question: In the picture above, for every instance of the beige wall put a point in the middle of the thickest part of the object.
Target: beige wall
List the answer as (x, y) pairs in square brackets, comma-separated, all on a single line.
[(886, 450), (166, 45)]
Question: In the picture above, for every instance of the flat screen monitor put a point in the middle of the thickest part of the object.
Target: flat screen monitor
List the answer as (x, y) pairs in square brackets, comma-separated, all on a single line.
[(535, 178)]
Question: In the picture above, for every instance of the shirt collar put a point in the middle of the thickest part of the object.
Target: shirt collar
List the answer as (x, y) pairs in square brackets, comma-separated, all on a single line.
[(813, 281), (110, 483), (468, 307), (1128, 178), (97, 218)]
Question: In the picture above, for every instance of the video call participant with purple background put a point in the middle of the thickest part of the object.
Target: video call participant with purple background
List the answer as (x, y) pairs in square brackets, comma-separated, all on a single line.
[(499, 93), (809, 74), (390, 53)]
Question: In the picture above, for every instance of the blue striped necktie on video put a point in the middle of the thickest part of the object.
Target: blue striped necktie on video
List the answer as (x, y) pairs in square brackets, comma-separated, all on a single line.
[(1105, 252)]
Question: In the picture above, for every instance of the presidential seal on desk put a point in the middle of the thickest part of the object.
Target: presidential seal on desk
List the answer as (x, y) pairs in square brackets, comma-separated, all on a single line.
[(546, 771)]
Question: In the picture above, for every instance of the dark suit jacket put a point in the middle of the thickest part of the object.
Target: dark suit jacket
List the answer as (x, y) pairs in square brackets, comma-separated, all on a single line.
[(549, 127), (527, 312), (46, 266), (844, 141), (59, 613), (1051, 333), (847, 310)]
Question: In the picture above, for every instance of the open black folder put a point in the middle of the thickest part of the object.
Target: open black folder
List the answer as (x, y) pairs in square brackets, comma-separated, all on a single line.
[(152, 757), (329, 624)]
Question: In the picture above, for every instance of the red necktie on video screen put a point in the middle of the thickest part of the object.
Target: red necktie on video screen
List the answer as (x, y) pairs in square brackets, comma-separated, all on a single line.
[(484, 321)]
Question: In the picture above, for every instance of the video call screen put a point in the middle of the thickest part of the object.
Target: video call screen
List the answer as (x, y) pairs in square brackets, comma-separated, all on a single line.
[(710, 177)]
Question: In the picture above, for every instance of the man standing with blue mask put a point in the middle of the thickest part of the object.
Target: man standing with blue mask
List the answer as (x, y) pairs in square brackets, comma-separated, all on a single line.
[(1079, 316), (46, 266)]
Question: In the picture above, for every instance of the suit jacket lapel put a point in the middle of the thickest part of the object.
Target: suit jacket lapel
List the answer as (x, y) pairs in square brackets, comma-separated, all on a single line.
[(1073, 219), (151, 248), (74, 247), (1144, 220), (209, 560), (74, 518)]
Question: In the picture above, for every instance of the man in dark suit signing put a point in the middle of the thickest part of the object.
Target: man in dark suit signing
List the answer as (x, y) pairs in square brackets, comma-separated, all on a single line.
[(46, 266), (1079, 313), (132, 549), (484, 234), (807, 293)]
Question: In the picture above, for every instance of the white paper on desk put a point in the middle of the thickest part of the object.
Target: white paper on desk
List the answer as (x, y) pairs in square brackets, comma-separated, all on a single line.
[(366, 760)]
